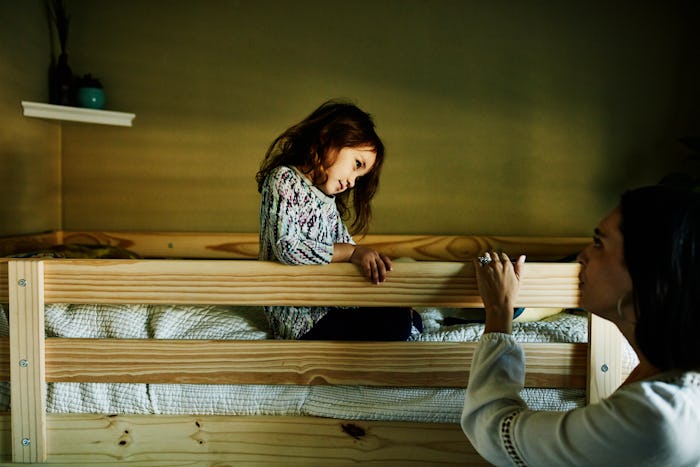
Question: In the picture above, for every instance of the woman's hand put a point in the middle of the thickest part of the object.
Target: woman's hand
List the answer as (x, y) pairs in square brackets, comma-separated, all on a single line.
[(374, 264), (499, 284)]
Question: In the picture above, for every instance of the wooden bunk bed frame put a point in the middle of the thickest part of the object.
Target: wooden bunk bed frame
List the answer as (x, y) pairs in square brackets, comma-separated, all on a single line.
[(443, 277)]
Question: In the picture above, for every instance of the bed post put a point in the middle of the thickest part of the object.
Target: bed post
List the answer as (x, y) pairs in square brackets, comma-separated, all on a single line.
[(604, 359), (27, 371)]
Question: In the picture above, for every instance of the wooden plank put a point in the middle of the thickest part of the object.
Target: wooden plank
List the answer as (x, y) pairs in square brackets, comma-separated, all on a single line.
[(267, 283), (27, 391), (219, 245), (466, 247), (174, 244), (157, 439), (442, 364), (605, 359)]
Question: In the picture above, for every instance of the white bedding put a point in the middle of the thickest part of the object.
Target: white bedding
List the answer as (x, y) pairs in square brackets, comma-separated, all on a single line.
[(225, 322)]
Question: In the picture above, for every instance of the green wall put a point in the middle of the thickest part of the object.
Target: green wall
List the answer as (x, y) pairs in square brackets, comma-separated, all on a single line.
[(30, 191), (500, 117)]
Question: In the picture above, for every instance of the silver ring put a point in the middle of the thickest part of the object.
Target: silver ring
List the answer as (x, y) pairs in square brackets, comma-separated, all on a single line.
[(484, 260)]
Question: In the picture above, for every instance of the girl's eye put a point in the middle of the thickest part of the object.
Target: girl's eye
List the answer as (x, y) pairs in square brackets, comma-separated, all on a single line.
[(597, 242), (358, 164)]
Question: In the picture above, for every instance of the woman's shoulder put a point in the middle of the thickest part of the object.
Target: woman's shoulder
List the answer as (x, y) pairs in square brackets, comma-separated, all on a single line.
[(676, 411), (670, 397), (663, 411), (685, 381)]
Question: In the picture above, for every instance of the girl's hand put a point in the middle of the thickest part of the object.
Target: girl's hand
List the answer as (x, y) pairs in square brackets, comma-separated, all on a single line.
[(499, 285), (374, 264)]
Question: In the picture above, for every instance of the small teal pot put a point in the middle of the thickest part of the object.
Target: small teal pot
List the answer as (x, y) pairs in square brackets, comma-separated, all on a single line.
[(91, 98)]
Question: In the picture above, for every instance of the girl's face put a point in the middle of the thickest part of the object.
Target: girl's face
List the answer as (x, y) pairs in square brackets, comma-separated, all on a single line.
[(604, 278), (348, 165)]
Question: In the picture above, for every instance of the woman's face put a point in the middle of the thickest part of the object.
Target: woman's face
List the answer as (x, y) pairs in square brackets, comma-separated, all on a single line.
[(348, 165), (604, 278)]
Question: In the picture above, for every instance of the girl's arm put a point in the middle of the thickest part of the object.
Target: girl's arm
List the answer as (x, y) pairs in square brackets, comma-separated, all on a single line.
[(374, 264)]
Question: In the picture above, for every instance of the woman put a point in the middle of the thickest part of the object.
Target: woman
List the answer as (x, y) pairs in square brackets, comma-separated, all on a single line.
[(642, 273)]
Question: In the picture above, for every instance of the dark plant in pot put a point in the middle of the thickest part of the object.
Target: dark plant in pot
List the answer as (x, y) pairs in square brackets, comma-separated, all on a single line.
[(60, 75)]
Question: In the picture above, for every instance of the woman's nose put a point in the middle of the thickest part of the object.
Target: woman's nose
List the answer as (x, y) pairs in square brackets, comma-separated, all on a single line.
[(582, 257)]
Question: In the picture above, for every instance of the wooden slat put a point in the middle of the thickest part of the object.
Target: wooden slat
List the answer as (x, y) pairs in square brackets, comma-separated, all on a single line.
[(269, 440), (173, 244), (467, 247), (27, 391), (605, 359), (266, 283), (218, 245), (442, 364)]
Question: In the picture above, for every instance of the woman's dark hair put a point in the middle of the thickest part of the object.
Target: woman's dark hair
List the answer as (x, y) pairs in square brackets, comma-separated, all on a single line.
[(661, 232), (308, 144)]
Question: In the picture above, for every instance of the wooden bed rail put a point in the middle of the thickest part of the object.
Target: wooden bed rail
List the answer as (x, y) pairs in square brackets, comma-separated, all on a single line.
[(440, 284), (156, 361), (212, 245), (34, 360), (276, 362)]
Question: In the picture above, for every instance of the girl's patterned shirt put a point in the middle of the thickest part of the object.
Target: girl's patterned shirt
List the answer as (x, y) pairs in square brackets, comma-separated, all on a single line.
[(299, 224)]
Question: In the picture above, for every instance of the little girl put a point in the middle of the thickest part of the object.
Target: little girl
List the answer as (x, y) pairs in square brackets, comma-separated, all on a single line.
[(310, 176)]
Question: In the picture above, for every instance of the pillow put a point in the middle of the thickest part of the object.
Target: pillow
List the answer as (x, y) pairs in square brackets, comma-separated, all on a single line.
[(536, 314)]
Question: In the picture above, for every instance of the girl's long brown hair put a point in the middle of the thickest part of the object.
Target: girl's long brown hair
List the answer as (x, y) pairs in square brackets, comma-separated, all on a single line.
[(308, 145)]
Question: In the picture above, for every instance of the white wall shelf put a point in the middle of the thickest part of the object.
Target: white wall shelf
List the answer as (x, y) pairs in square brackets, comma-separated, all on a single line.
[(77, 114)]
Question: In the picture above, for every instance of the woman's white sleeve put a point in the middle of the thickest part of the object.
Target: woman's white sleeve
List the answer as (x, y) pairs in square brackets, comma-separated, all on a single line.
[(496, 378), (636, 425)]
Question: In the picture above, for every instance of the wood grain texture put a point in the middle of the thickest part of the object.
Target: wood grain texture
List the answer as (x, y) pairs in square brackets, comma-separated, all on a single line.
[(605, 359), (468, 247), (173, 244), (267, 283), (206, 440), (442, 364), (212, 245), (27, 390)]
